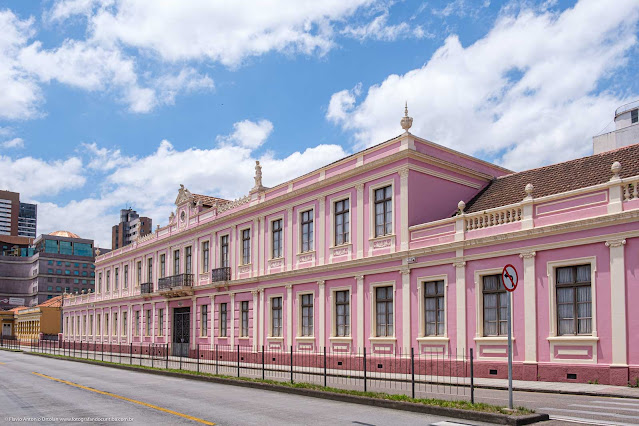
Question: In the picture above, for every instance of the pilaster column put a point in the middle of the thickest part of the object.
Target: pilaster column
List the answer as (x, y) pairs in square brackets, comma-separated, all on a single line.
[(360, 311), (618, 302), (255, 261), (232, 319), (403, 207), (233, 248), (262, 243), (212, 320), (322, 312), (530, 307), (194, 323), (360, 220), (289, 238), (153, 320), (255, 314), (322, 229), (406, 340), (460, 297), (289, 314), (262, 313)]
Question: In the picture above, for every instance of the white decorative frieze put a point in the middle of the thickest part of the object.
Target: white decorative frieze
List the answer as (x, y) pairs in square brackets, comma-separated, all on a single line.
[(305, 258), (527, 255), (276, 263), (616, 243), (382, 243), (340, 252), (244, 269)]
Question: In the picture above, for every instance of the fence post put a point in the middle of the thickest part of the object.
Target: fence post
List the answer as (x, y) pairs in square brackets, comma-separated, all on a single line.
[(74, 348), (291, 363), (262, 362), (365, 369), (180, 358), (472, 381), (102, 350), (130, 353), (412, 371), (166, 354), (151, 348), (238, 360), (216, 359), (198, 358), (324, 366)]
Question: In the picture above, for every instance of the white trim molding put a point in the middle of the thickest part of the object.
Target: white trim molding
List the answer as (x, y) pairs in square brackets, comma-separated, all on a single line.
[(530, 307), (618, 302)]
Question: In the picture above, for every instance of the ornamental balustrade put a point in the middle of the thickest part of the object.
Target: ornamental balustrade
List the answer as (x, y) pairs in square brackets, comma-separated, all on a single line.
[(220, 274), (146, 288), (180, 280)]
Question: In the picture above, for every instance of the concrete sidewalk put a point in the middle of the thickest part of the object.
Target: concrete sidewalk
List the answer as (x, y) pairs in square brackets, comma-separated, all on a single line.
[(561, 387)]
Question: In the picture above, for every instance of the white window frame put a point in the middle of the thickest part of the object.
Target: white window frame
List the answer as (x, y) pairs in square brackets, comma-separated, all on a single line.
[(270, 237), (332, 201), (240, 232), (269, 317), (98, 324), (571, 340), (332, 311), (218, 260), (303, 209), (204, 330), (371, 207), (479, 305), (201, 260), (421, 283), (298, 302), (373, 309), (219, 320), (239, 319)]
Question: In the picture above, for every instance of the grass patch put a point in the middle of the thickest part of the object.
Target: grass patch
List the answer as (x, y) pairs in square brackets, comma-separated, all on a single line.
[(10, 350), (459, 404)]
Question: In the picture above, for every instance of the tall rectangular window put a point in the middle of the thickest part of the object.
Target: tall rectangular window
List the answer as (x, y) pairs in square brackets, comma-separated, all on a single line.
[(224, 251), (276, 317), (106, 324), (147, 329), (574, 300), (176, 262), (434, 308), (246, 246), (99, 282), (91, 325), (495, 300), (384, 211), (162, 265), (149, 270), (276, 238), (124, 325), (139, 273), (307, 230), (205, 257), (108, 281), (634, 116), (115, 324), (245, 318), (188, 260), (223, 324), (137, 323), (307, 315), (161, 322), (384, 314), (125, 284), (342, 222), (342, 313), (204, 320), (116, 283), (98, 330)]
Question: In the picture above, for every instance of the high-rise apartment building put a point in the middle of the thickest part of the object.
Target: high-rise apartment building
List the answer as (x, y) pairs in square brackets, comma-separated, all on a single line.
[(17, 219), (131, 226)]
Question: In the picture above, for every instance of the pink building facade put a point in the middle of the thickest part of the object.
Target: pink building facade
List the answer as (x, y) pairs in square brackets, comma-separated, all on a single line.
[(398, 246)]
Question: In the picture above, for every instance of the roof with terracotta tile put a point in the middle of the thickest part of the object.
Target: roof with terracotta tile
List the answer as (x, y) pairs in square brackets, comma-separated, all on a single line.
[(54, 302), (556, 178), (207, 200), (19, 308)]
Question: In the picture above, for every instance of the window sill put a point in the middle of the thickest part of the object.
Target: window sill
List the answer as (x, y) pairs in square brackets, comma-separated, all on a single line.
[(243, 338), (302, 253), (275, 338), (433, 339), (383, 339), (339, 246), (573, 339), (493, 339), (341, 339)]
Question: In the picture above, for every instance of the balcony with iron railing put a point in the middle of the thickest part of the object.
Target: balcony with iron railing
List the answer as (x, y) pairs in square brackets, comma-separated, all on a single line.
[(221, 274), (176, 285), (146, 288)]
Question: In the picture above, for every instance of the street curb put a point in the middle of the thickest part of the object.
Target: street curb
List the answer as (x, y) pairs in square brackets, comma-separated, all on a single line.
[(560, 392), (354, 399)]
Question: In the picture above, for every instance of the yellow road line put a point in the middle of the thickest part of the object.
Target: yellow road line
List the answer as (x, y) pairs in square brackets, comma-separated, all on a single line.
[(165, 410)]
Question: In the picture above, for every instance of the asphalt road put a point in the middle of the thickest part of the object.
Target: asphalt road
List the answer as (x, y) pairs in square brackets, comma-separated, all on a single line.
[(34, 388)]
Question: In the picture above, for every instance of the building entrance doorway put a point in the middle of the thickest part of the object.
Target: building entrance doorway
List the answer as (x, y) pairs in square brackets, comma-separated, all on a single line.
[(181, 331), (6, 330)]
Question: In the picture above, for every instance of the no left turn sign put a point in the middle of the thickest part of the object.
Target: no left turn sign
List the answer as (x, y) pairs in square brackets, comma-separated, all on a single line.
[(509, 277)]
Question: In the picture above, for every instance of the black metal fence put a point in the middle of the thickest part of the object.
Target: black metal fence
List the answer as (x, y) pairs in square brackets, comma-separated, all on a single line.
[(407, 372), (180, 280), (220, 274)]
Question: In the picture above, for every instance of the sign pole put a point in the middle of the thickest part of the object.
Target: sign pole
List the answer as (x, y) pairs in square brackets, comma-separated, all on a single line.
[(510, 353)]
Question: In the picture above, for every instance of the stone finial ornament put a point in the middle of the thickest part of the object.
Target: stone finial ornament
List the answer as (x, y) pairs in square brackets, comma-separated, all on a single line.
[(529, 190), (461, 206), (258, 178), (615, 169), (406, 122), (97, 250)]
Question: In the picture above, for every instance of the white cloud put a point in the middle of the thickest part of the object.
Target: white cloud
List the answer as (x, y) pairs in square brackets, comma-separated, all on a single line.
[(525, 93), (213, 30), (33, 177), (149, 184), (379, 29), (188, 80), (248, 134), (13, 143)]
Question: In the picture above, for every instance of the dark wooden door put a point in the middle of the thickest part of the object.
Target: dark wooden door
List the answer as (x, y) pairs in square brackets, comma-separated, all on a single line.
[(181, 331)]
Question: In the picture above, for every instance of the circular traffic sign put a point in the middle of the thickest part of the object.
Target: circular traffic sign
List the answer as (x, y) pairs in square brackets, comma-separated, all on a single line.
[(509, 277)]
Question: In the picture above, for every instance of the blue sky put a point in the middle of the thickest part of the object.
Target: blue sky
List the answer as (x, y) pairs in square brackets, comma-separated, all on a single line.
[(105, 104)]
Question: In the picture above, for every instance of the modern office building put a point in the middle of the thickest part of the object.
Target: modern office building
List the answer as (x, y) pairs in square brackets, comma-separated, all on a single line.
[(130, 228), (57, 262), (399, 246), (17, 219)]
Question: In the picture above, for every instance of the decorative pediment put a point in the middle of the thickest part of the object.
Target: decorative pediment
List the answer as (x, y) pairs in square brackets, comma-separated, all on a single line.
[(184, 196)]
